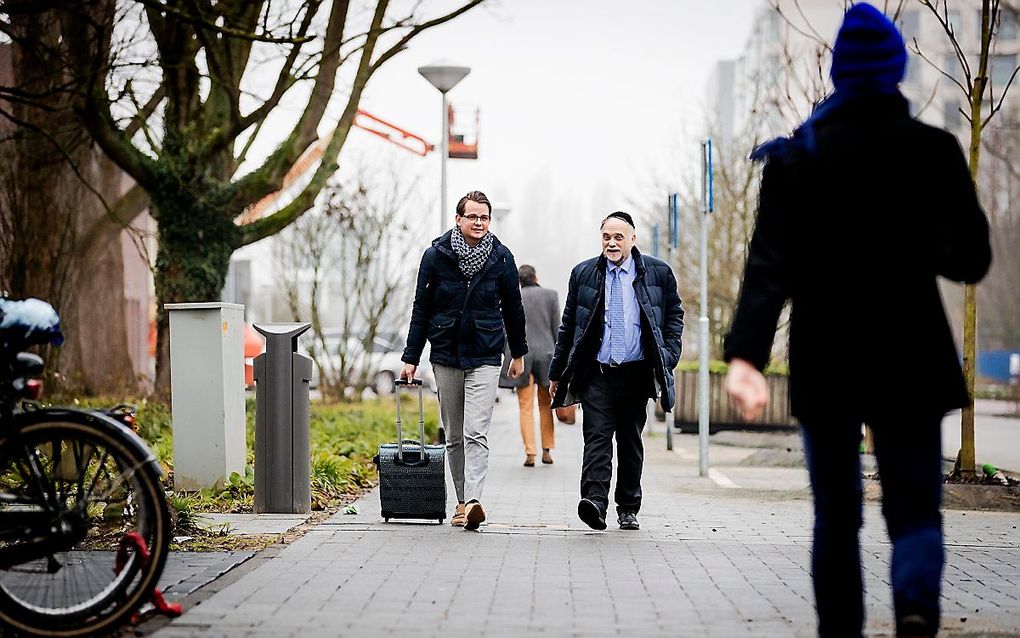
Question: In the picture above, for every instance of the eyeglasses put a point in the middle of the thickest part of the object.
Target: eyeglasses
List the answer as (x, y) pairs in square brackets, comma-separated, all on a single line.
[(477, 218)]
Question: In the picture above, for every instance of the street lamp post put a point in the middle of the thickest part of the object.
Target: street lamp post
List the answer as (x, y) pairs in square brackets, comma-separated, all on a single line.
[(444, 76), (707, 207)]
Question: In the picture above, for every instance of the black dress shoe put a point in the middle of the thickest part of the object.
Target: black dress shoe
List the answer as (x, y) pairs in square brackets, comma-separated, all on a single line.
[(628, 520), (590, 513), (913, 626)]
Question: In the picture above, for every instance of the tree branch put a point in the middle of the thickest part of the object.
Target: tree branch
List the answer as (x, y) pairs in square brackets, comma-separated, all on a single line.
[(142, 116), (268, 178), (267, 226), (998, 106), (284, 81), (123, 212), (272, 224), (402, 43), (225, 30), (917, 50)]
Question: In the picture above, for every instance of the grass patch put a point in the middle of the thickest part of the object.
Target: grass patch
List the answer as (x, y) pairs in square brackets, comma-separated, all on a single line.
[(344, 438)]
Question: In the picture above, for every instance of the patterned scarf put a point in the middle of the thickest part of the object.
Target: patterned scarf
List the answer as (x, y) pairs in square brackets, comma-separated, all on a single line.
[(470, 259)]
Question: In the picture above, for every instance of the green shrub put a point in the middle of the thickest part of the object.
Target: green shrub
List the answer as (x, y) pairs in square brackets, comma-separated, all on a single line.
[(714, 366), (774, 368), (344, 438)]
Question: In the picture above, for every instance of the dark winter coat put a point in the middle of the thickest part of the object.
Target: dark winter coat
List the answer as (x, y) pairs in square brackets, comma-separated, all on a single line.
[(581, 330), (853, 228), (464, 320)]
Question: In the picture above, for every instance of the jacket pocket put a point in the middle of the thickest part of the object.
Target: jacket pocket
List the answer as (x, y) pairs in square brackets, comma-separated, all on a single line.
[(489, 337), (442, 335)]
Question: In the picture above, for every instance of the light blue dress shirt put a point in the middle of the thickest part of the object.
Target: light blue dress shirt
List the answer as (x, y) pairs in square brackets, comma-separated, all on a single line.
[(631, 313)]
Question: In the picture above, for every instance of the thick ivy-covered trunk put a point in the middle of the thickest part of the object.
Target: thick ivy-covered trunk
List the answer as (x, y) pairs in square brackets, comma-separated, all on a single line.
[(182, 134), (196, 239)]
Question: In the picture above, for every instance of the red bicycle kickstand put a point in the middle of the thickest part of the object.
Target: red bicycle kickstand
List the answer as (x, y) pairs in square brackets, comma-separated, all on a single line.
[(171, 610)]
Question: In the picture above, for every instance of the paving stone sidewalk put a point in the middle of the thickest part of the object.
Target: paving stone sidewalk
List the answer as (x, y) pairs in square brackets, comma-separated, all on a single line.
[(726, 556)]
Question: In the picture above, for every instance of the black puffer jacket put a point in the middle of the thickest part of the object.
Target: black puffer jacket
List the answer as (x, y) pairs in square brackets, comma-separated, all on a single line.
[(465, 320), (581, 331)]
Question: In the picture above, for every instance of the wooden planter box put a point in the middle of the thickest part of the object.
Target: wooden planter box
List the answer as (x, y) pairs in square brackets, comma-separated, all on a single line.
[(723, 414)]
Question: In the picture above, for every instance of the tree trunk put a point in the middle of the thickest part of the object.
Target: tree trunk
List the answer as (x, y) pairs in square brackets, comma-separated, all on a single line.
[(95, 357), (968, 454), (52, 178), (195, 244)]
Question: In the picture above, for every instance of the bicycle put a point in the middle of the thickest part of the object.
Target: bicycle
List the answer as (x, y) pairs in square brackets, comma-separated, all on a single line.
[(84, 523)]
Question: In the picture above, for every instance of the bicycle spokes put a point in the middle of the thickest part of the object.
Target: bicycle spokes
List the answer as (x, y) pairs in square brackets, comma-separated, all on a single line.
[(75, 501)]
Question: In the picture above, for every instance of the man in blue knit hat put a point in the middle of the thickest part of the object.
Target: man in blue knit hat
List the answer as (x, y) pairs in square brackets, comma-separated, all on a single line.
[(860, 211)]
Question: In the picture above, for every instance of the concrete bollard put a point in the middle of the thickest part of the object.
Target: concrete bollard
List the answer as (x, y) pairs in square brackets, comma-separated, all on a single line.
[(282, 446)]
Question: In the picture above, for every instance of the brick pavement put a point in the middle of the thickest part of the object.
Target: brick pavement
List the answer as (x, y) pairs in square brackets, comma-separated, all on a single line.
[(710, 560)]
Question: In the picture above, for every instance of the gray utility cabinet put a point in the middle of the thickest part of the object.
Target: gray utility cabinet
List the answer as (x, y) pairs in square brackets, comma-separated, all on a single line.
[(207, 393), (282, 440)]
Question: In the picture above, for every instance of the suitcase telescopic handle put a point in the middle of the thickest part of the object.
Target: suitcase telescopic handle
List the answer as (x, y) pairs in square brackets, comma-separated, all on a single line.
[(399, 383)]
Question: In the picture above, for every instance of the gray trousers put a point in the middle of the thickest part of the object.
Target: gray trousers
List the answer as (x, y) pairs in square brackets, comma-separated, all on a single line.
[(466, 399)]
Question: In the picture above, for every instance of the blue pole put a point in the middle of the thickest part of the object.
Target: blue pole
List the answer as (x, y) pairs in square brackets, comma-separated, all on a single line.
[(711, 185), (674, 215), (655, 240)]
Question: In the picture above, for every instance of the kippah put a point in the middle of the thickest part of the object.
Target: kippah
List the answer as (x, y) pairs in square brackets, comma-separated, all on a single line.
[(621, 215)]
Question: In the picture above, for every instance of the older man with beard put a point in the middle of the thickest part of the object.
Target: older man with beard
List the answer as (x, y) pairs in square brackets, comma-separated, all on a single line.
[(618, 343)]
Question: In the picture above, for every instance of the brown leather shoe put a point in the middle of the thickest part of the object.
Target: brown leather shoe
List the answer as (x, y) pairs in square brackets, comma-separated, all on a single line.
[(546, 458), (475, 516), (459, 518), (529, 460)]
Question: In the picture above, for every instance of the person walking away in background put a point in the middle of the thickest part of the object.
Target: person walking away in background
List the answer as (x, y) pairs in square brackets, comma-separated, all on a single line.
[(542, 313)]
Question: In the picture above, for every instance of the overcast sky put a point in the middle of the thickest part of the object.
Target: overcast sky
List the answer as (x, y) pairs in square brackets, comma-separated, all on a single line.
[(578, 99)]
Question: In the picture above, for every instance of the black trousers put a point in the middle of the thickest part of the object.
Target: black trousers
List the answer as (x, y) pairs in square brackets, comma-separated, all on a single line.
[(614, 401)]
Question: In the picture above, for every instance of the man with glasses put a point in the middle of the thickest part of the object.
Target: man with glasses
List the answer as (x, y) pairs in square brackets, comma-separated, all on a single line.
[(467, 297), (618, 343)]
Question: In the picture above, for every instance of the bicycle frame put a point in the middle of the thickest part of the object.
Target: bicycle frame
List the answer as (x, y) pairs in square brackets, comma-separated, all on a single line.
[(38, 517)]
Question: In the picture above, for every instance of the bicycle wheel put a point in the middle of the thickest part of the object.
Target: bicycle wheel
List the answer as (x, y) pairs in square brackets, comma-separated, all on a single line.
[(88, 486)]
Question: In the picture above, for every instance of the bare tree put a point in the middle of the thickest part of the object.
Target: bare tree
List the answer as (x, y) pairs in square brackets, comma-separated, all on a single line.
[(984, 101), (173, 94), (736, 178), (343, 268), (728, 235)]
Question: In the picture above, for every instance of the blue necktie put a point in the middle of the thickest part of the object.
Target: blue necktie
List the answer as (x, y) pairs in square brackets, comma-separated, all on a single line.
[(617, 332)]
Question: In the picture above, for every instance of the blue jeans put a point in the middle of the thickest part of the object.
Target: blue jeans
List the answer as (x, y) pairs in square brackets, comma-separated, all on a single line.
[(909, 454)]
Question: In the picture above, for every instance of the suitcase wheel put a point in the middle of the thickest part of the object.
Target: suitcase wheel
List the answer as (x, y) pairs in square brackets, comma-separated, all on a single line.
[(441, 521), (387, 519)]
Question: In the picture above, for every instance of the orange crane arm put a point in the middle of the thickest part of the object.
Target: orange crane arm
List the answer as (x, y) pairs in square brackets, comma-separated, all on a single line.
[(393, 133), (374, 124)]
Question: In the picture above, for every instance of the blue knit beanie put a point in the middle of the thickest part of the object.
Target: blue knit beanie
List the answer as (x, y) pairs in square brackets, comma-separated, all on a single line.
[(869, 53)]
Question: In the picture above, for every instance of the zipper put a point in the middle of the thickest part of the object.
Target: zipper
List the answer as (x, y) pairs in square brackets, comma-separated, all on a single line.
[(473, 283), (601, 279), (651, 329)]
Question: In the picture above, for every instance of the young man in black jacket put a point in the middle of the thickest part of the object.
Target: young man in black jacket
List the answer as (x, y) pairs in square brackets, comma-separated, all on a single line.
[(859, 213), (467, 296), (618, 344)]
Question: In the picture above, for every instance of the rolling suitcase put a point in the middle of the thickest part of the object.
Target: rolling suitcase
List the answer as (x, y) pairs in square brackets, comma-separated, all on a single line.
[(412, 475)]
